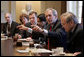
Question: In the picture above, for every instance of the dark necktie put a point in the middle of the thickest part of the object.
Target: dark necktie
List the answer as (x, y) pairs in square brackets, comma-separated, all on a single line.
[(9, 27)]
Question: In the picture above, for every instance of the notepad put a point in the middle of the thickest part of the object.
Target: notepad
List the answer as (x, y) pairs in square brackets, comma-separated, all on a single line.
[(25, 43), (22, 51), (22, 39)]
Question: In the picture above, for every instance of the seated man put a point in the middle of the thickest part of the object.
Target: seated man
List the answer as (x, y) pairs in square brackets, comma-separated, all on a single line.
[(9, 27), (56, 34), (74, 33), (41, 20), (33, 21)]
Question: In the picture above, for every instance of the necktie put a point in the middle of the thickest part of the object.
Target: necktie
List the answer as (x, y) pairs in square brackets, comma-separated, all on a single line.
[(48, 38), (9, 28)]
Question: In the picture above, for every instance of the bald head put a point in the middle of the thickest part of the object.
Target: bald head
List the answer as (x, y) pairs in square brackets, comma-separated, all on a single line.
[(8, 17)]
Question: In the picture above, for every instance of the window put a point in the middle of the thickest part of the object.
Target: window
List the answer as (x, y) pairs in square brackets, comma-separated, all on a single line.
[(76, 8)]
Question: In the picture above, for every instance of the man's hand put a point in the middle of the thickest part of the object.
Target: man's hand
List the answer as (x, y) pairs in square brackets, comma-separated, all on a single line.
[(22, 27), (29, 39), (36, 28), (77, 53), (19, 36)]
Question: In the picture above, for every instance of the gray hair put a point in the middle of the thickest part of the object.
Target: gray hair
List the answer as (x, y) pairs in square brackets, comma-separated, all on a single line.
[(69, 17), (53, 11), (7, 13)]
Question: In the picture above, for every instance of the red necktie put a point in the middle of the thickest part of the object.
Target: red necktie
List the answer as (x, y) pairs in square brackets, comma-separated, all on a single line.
[(31, 36), (48, 38)]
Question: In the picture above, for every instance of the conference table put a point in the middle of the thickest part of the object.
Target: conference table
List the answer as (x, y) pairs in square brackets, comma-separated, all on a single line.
[(9, 48)]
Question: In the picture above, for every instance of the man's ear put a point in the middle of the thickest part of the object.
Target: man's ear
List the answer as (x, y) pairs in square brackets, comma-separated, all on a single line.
[(71, 23)]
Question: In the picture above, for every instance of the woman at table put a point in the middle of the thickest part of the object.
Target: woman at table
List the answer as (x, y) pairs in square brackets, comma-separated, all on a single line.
[(24, 19)]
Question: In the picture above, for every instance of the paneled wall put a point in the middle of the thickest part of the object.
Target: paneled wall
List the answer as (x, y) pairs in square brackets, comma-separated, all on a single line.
[(13, 10), (63, 6), (8, 6), (20, 5), (60, 6), (16, 7), (52, 4), (5, 7)]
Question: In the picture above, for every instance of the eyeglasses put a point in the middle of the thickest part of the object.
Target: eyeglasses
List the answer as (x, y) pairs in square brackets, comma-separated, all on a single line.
[(63, 24)]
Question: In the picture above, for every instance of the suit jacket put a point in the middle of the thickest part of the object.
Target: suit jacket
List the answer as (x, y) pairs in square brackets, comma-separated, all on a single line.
[(75, 39), (13, 28), (57, 37), (24, 33), (35, 35)]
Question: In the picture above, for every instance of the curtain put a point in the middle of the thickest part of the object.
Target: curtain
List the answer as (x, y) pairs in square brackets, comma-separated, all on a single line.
[(82, 10), (76, 8)]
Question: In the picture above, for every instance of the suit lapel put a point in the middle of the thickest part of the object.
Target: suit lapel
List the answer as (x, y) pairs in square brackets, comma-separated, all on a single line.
[(55, 25), (73, 34), (47, 27)]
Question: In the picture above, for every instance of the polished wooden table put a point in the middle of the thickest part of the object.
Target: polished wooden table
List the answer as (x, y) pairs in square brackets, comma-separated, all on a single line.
[(27, 53), (6, 47), (19, 54), (40, 54), (9, 48)]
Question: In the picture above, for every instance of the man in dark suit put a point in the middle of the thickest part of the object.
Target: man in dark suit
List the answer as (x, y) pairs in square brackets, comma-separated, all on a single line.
[(74, 33), (9, 27), (57, 34), (53, 27), (54, 32)]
